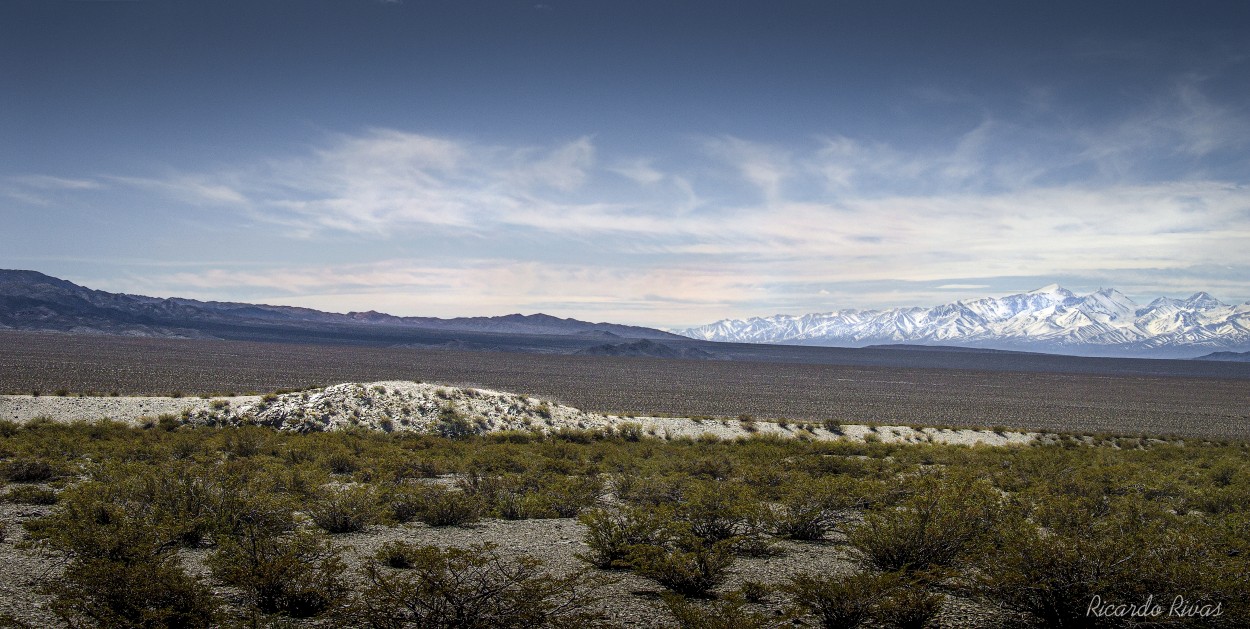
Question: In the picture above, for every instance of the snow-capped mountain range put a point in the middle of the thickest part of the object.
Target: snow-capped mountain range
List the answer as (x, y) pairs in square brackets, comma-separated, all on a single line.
[(1051, 319)]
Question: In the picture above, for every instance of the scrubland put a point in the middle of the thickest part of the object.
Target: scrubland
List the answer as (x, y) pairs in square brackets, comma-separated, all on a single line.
[(179, 525)]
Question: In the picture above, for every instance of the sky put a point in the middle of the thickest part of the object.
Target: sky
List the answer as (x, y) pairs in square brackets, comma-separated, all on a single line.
[(661, 163)]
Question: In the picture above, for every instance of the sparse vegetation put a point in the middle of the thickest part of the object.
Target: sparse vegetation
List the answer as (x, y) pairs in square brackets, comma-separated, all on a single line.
[(1033, 532)]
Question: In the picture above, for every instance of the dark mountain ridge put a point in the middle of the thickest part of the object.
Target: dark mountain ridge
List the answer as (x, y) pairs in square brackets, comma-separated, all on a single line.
[(30, 300)]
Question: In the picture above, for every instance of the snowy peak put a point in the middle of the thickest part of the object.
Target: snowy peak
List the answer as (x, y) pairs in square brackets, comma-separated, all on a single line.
[(1054, 291), (1051, 318), (1202, 301)]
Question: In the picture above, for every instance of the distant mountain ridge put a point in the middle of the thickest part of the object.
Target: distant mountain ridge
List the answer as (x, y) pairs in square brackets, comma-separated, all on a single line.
[(30, 300), (1049, 319), (1228, 357)]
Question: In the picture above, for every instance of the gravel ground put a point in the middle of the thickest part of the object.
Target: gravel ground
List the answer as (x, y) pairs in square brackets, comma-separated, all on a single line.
[(626, 601)]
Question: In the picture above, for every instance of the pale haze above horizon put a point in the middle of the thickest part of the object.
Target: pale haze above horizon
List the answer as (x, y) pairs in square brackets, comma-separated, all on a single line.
[(667, 164)]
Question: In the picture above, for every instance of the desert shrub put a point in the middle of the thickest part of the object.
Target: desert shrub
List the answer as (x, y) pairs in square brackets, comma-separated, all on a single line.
[(728, 613), (808, 510), (341, 462), (439, 506), (28, 471), (397, 555), (8, 428), (717, 512), (909, 606), (543, 410), (179, 497), (239, 503), (513, 436), (122, 570), (709, 468), (29, 495), (146, 593), (297, 575), (650, 490), (754, 591), (935, 527), (1134, 551), (344, 509), (578, 435), (471, 588), (536, 495), (168, 422), (629, 431), (841, 601), (402, 503), (611, 534), (550, 496), (690, 567), (245, 441)]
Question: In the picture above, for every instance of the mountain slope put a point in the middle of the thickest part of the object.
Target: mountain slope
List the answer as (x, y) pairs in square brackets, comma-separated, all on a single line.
[(1231, 357), (30, 300), (1051, 318)]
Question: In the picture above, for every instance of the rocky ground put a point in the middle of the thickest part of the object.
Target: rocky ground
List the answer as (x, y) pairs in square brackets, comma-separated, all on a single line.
[(625, 599)]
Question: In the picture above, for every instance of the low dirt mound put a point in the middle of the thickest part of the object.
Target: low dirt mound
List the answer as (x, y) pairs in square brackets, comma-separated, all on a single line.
[(400, 406)]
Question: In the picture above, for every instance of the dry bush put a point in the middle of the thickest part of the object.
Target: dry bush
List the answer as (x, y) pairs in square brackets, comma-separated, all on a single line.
[(297, 575), (937, 526), (344, 509), (612, 534), (122, 570), (468, 588)]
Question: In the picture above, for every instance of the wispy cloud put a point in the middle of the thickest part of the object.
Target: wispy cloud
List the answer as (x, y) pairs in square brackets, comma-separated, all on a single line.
[(734, 227)]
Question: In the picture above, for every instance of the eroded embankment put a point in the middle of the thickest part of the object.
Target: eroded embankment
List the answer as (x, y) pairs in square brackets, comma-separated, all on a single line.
[(398, 406)]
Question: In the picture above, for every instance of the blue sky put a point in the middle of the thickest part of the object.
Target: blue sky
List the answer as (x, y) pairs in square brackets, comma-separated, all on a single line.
[(661, 163)]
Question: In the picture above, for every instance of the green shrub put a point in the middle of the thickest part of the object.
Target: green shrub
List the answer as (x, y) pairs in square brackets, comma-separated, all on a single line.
[(841, 601), (397, 555), (611, 534), (1135, 551), (728, 613), (716, 512), (452, 425), (936, 527), (690, 567), (122, 570), (344, 509), (809, 510), (341, 462), (439, 506), (403, 503), (28, 471), (560, 496), (630, 431), (295, 575), (471, 588), (245, 441), (909, 606), (238, 503), (154, 592), (28, 495)]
